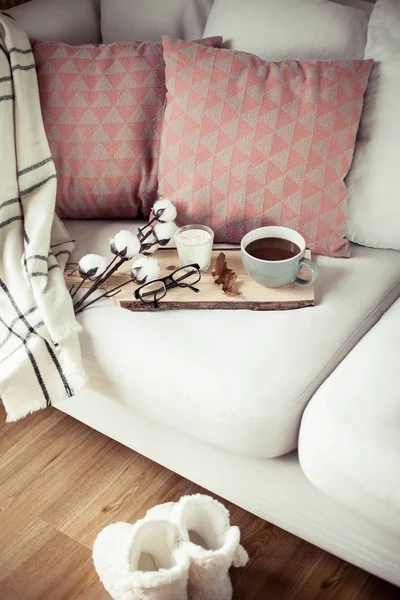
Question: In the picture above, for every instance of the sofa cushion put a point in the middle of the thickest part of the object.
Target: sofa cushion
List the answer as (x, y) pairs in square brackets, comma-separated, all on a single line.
[(373, 181), (247, 143), (236, 379), (71, 21), (350, 433), (123, 20), (290, 29), (128, 20), (102, 109), (195, 17)]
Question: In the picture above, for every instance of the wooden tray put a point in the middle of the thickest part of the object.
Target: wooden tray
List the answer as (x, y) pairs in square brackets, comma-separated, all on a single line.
[(253, 295)]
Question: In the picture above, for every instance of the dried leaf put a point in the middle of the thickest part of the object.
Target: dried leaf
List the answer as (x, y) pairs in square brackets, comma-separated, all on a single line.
[(225, 277), (220, 265), (230, 285)]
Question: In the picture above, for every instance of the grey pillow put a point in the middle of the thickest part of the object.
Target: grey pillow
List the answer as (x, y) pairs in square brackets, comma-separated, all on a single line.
[(70, 21), (149, 20)]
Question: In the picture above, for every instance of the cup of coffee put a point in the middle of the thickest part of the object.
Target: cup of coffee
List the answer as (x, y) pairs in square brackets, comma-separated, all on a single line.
[(273, 256)]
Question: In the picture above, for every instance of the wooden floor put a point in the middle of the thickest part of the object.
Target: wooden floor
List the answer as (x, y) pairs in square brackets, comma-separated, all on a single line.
[(61, 483)]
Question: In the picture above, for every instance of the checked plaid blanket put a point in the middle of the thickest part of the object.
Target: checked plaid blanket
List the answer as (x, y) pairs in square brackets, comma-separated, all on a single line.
[(40, 359)]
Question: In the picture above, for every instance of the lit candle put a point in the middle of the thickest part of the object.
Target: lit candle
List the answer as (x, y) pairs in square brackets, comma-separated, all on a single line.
[(194, 244)]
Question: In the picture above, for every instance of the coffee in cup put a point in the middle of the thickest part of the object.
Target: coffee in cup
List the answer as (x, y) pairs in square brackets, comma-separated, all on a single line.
[(273, 256)]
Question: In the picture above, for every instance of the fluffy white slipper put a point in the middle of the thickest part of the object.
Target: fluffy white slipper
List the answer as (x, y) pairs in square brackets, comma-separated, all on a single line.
[(142, 561), (212, 544)]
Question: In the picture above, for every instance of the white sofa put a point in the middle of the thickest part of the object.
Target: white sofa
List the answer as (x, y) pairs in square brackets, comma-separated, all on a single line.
[(293, 415)]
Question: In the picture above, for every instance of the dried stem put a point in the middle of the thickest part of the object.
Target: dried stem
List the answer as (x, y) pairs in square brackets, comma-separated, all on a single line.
[(141, 229), (79, 287), (79, 305), (101, 279), (107, 294), (148, 224)]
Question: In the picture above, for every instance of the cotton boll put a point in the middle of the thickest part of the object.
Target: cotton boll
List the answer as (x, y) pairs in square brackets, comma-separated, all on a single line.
[(151, 239), (164, 210), (92, 265), (125, 244), (143, 231), (153, 248), (150, 244), (145, 269), (164, 232)]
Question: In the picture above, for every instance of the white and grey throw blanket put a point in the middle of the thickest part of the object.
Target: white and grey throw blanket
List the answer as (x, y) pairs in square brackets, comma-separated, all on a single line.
[(40, 358)]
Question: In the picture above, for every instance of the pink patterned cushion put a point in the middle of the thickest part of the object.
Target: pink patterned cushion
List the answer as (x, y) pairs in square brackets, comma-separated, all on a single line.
[(102, 109), (247, 143)]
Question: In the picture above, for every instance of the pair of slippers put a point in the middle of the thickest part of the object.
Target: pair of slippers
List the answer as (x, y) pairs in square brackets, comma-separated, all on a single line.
[(178, 551)]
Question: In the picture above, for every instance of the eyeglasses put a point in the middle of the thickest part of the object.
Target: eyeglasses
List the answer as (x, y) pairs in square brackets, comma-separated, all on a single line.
[(154, 291)]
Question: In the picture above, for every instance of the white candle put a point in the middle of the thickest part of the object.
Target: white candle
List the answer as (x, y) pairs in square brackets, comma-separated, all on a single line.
[(194, 244)]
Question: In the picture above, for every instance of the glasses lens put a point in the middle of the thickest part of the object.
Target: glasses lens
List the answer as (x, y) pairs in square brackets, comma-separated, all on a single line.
[(153, 291), (186, 276)]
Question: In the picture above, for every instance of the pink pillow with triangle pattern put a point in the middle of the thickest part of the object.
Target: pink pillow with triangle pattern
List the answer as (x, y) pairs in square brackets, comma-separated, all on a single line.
[(102, 109), (247, 143)]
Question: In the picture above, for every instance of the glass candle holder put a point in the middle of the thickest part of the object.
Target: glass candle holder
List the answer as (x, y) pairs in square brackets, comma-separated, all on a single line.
[(194, 244)]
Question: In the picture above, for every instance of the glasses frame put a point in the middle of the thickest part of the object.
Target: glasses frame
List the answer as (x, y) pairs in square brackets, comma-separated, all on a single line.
[(168, 283)]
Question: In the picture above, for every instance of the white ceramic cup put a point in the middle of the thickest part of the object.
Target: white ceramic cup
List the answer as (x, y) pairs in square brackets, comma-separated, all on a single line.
[(277, 273)]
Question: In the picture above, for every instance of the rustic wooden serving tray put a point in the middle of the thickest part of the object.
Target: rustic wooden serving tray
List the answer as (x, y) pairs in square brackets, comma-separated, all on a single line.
[(253, 295)]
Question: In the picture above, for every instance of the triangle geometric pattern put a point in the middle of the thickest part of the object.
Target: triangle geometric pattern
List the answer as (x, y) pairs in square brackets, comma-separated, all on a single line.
[(247, 143), (102, 108)]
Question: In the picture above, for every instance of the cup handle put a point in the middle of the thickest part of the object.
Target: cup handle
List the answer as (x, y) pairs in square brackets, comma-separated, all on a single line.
[(314, 273)]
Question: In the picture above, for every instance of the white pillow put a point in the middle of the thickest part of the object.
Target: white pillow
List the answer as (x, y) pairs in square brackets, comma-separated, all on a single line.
[(148, 20), (70, 21), (290, 29), (374, 179), (195, 18), (151, 19)]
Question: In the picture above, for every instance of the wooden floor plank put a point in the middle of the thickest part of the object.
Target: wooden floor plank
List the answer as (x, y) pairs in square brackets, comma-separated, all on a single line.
[(62, 482), (114, 489), (42, 563)]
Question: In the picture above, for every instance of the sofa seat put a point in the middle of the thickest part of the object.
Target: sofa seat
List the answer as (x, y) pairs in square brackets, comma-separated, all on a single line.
[(239, 380), (350, 434)]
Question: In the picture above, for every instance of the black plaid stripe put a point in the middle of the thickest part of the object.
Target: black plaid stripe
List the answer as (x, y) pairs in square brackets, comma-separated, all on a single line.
[(32, 361), (3, 79), (62, 243), (20, 50), (41, 274), (69, 391), (53, 264), (38, 257), (11, 325), (43, 258), (37, 185), (26, 267), (8, 202), (11, 332), (7, 97), (62, 252), (35, 166), (2, 360), (10, 220), (23, 67), (27, 338)]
